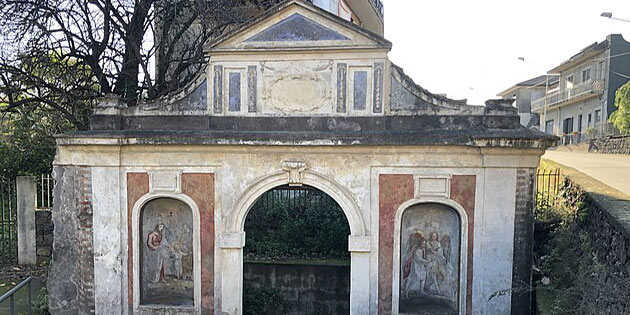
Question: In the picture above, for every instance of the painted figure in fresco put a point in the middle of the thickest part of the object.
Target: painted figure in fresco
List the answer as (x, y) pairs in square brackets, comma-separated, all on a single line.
[(158, 244), (177, 254), (437, 262), (415, 265)]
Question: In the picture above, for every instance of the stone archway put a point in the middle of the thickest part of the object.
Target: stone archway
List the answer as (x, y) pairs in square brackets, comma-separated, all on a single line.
[(233, 240)]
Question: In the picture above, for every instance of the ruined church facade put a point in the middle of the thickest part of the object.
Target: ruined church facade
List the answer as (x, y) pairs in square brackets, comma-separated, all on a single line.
[(150, 203)]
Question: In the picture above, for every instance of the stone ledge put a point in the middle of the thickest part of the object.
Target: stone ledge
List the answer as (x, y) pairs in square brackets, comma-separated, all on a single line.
[(613, 202)]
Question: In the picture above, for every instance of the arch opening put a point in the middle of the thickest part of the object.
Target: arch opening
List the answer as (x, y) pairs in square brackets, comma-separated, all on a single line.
[(296, 252), (430, 259)]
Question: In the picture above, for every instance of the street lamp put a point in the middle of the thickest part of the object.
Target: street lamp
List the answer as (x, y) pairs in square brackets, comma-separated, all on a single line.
[(610, 16)]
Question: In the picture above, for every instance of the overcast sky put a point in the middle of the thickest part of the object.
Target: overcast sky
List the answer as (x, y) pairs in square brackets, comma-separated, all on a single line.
[(470, 49)]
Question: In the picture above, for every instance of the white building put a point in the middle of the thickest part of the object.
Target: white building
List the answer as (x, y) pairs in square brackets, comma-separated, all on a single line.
[(580, 107)]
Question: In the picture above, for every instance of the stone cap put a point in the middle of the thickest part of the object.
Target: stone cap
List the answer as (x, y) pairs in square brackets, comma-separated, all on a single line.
[(472, 137)]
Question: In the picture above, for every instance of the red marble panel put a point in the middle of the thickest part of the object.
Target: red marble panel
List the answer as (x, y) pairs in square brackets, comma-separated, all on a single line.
[(200, 187), (394, 190), (137, 186), (463, 192)]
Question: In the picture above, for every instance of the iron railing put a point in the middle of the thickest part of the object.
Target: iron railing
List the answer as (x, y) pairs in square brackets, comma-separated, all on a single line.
[(10, 295), (593, 87), (295, 198), (378, 5), (44, 198), (8, 221), (547, 186)]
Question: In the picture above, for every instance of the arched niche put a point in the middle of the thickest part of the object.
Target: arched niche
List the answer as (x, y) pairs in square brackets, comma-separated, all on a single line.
[(430, 257), (166, 268), (167, 271)]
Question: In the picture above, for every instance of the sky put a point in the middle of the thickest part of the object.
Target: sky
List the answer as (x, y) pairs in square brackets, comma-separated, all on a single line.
[(470, 49)]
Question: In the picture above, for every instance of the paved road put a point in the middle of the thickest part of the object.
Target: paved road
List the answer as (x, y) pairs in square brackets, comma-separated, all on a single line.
[(610, 169)]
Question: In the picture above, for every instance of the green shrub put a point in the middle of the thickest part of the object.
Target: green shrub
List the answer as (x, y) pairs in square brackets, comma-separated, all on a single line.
[(263, 301), (578, 282), (305, 226)]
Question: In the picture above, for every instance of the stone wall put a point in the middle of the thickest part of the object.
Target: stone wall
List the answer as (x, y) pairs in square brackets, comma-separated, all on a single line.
[(608, 224), (71, 276), (44, 231), (612, 145), (307, 288)]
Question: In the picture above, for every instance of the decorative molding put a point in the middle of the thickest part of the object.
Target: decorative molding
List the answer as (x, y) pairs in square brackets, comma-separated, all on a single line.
[(296, 171), (342, 74), (232, 240), (432, 186), (165, 181), (358, 243), (378, 87), (252, 92), (218, 89), (297, 87)]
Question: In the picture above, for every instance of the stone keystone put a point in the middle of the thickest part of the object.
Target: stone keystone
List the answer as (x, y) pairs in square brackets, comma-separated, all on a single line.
[(295, 169)]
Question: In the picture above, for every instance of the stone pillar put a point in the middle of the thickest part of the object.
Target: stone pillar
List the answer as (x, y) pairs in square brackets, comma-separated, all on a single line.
[(523, 242), (359, 247), (232, 272), (26, 232)]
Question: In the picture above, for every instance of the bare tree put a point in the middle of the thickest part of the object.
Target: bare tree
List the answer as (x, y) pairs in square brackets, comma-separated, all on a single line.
[(62, 54)]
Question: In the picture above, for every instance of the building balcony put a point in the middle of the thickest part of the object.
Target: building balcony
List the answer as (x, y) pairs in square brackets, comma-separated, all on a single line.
[(378, 5), (370, 14), (568, 96)]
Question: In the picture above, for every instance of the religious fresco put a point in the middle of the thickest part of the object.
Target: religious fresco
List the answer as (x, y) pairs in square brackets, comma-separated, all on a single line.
[(429, 260), (166, 271)]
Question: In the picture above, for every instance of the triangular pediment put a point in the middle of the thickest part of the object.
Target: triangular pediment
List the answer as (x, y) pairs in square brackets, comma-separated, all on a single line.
[(296, 28), (296, 24)]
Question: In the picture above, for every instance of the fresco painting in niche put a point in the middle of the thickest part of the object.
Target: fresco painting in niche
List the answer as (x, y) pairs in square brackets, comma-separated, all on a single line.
[(166, 276), (429, 260)]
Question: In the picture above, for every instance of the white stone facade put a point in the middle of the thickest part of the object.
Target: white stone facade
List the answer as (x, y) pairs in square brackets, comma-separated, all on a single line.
[(321, 107)]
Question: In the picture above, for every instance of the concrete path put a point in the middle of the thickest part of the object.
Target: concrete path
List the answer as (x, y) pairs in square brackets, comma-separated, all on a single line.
[(610, 169)]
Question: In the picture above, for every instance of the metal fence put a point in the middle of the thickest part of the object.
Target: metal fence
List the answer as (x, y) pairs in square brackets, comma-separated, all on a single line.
[(16, 307), (44, 198), (8, 221), (547, 186), (295, 198)]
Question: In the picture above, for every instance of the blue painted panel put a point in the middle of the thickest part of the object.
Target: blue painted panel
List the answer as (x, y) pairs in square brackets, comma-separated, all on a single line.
[(296, 28), (218, 89), (360, 89), (234, 92)]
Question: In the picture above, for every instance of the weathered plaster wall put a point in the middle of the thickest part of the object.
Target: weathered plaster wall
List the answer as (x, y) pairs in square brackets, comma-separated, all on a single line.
[(71, 277), (107, 240), (137, 184), (355, 171), (495, 242)]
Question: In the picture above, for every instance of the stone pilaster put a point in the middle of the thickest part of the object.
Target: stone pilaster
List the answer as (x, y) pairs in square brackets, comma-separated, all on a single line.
[(523, 242)]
